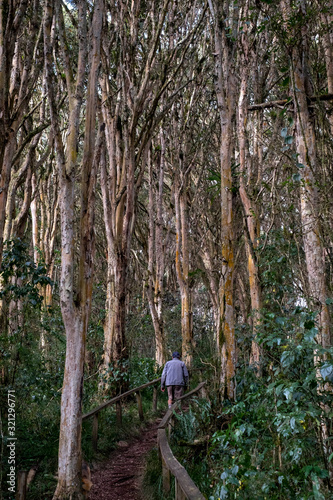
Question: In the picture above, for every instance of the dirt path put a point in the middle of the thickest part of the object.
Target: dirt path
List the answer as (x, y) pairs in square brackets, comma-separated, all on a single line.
[(120, 477)]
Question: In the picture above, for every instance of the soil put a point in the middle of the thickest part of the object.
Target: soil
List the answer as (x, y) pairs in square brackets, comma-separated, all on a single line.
[(120, 477)]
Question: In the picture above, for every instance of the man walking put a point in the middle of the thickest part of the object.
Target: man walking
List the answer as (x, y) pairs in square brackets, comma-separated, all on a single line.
[(174, 377)]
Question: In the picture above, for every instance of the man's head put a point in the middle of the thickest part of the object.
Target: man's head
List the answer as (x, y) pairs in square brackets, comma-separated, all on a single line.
[(176, 355)]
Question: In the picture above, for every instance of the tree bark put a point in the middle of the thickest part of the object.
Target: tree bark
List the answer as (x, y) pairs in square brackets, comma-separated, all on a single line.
[(182, 267), (17, 81), (252, 224), (75, 308), (156, 255), (226, 95), (309, 203)]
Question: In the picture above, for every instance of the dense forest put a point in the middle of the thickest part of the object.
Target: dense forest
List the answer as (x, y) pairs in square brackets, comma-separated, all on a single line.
[(166, 180)]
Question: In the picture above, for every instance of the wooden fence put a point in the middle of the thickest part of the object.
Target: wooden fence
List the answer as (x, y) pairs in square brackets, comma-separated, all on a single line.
[(117, 400), (184, 486)]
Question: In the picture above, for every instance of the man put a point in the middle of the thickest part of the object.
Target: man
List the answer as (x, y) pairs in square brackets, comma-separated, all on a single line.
[(174, 377)]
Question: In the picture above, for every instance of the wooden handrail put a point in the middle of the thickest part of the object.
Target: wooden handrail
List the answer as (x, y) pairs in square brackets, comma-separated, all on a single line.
[(185, 488), (118, 398), (169, 413)]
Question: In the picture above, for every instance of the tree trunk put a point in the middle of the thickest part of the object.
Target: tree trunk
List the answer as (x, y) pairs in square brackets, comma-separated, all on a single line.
[(156, 258), (18, 74), (225, 91), (327, 41), (182, 268), (309, 201), (252, 232), (75, 309)]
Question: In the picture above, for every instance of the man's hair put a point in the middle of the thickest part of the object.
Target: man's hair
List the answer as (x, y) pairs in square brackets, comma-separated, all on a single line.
[(176, 354)]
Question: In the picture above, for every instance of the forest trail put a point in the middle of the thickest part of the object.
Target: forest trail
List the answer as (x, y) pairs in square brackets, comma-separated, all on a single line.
[(120, 477)]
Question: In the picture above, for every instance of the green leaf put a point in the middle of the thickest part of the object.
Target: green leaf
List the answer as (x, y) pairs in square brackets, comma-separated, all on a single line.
[(280, 320), (327, 372), (287, 358), (233, 480)]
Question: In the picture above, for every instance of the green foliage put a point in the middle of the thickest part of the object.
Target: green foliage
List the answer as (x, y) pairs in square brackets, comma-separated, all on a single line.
[(189, 441), (21, 277), (152, 480), (116, 376), (277, 273), (272, 445), (142, 370)]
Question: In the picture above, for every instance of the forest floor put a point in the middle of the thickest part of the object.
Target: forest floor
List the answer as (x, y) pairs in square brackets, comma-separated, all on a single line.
[(120, 477)]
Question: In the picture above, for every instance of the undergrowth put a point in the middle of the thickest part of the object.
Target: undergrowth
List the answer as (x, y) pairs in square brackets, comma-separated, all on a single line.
[(152, 486), (269, 443)]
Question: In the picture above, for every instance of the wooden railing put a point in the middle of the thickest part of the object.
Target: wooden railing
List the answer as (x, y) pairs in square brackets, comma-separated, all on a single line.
[(184, 486), (117, 401)]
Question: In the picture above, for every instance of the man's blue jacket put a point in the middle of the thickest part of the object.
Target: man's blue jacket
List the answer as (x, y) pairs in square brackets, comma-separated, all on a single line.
[(174, 373)]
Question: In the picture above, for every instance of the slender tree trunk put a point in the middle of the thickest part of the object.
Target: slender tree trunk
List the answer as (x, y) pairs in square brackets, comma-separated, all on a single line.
[(226, 92), (156, 259), (182, 268), (309, 201), (306, 149), (17, 82), (250, 209), (75, 309), (212, 278), (327, 41)]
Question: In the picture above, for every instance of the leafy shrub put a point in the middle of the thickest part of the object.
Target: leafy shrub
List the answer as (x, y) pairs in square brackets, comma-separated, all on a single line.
[(273, 445)]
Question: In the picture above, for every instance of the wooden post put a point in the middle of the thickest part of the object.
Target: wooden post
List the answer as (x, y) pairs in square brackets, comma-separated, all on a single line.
[(95, 432), (139, 401), (118, 413), (179, 494), (166, 478), (155, 398), (202, 392), (21, 485)]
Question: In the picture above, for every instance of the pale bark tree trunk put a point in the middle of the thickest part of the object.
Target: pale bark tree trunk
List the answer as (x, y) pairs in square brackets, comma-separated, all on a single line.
[(15, 224), (16, 229), (16, 85), (183, 267), (75, 308), (183, 158), (156, 254), (118, 187), (306, 149), (250, 207), (226, 95), (309, 201), (212, 278), (313, 247), (127, 142), (46, 202), (327, 40)]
